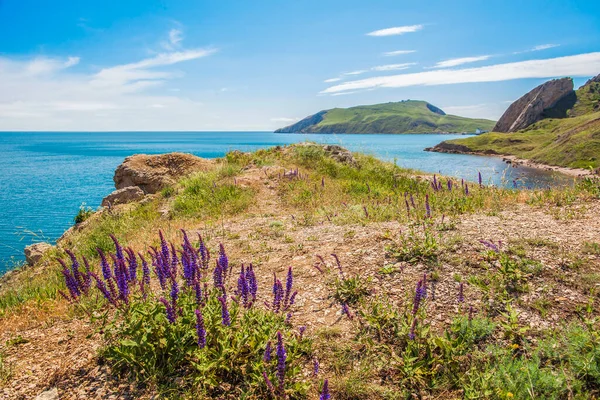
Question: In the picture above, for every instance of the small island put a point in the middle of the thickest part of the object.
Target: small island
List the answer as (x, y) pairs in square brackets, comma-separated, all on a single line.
[(409, 116)]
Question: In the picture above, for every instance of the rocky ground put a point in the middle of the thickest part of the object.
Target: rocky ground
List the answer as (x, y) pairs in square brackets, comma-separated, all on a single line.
[(54, 353)]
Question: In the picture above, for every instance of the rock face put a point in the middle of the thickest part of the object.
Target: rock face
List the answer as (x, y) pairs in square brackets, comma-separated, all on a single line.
[(151, 173), (122, 196), (551, 99), (34, 252), (446, 147), (303, 124)]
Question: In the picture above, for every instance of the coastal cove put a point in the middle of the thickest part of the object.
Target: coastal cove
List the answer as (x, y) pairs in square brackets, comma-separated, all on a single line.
[(47, 176)]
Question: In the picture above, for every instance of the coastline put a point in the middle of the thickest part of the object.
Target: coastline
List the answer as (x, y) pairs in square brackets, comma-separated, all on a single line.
[(516, 161)]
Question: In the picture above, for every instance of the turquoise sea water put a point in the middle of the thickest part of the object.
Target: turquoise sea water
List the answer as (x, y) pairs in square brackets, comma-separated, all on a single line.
[(45, 177)]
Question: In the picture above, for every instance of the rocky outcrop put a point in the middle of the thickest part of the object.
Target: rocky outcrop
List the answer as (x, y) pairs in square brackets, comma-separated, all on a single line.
[(551, 99), (34, 252), (452, 148), (151, 173), (123, 196), (340, 154)]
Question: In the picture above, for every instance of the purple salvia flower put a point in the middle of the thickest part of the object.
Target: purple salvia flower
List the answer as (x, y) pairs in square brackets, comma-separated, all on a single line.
[(289, 282), (87, 278), (338, 263), (346, 310), (252, 285), (188, 268), (242, 287), (281, 359), (122, 283), (132, 260), (301, 330), (118, 250), (106, 272), (449, 184), (277, 294), (102, 288), (325, 391), (467, 189), (203, 252), (268, 383), (174, 292), (200, 331), (288, 318), (198, 292), (480, 180), (145, 275), (223, 260), (225, 318), (412, 201), (70, 281), (174, 262), (268, 352), (170, 311), (164, 246), (75, 269), (417, 300), (316, 366), (411, 334), (491, 245), (471, 311), (218, 276), (461, 296), (292, 300), (427, 208), (423, 289)]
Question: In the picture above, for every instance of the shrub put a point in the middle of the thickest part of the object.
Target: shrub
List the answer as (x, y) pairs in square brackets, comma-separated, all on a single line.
[(83, 214)]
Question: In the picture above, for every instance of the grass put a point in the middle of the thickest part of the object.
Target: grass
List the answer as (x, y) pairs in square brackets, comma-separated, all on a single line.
[(5, 370), (400, 117)]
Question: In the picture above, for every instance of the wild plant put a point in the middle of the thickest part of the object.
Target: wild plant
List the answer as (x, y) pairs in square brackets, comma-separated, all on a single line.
[(181, 324), (417, 245)]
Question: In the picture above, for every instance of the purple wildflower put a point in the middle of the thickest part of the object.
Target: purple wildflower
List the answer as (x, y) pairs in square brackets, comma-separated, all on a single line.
[(218, 275), (203, 251), (412, 201), (338, 263), (75, 269), (467, 189), (480, 179), (268, 351), (268, 383), (106, 272), (417, 300), (411, 334), (102, 288), (277, 294), (132, 261), (491, 245), (174, 292), (200, 330), (289, 282), (301, 330), (325, 391), (225, 318), (471, 312), (449, 184), (434, 183), (145, 275), (461, 296), (281, 359), (316, 366), (427, 208), (87, 278), (170, 311), (346, 310), (198, 292), (223, 260), (251, 279)]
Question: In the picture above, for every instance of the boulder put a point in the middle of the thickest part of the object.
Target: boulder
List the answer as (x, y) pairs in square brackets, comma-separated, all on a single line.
[(151, 173), (123, 196), (551, 99), (51, 394), (340, 154), (34, 252)]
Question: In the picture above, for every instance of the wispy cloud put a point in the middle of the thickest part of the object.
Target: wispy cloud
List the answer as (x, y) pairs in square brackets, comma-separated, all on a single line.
[(48, 93), (175, 36), (398, 30), (398, 52), (392, 67), (360, 71), (581, 65), (284, 119), (538, 48), (330, 80), (453, 62)]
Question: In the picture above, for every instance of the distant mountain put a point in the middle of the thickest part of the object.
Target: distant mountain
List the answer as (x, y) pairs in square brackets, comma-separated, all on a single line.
[(408, 116)]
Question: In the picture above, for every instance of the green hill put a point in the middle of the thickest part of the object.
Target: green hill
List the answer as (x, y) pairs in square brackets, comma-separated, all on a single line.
[(572, 142), (408, 116)]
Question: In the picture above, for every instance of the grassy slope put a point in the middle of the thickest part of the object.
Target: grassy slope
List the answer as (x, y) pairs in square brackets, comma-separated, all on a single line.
[(572, 142), (399, 117)]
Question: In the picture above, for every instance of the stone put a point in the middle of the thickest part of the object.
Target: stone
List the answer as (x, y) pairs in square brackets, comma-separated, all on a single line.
[(151, 173), (551, 99), (123, 196), (51, 394), (340, 154), (34, 252)]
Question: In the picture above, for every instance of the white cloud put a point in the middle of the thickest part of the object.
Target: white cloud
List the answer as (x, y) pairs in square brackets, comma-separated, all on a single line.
[(397, 52), (42, 93), (392, 67), (582, 65), (398, 30), (330, 80), (284, 119), (491, 111), (460, 61), (175, 36), (360, 71), (538, 48)]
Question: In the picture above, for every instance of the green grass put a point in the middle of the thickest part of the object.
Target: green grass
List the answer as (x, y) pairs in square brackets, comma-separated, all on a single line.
[(5, 370), (570, 142), (400, 117)]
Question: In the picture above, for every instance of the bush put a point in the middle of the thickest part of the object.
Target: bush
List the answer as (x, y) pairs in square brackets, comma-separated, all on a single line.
[(83, 214)]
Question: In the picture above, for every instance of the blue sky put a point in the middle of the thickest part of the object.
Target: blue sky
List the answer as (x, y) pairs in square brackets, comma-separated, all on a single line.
[(258, 65)]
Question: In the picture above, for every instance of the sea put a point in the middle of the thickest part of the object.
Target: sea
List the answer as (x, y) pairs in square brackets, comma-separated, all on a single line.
[(45, 177)]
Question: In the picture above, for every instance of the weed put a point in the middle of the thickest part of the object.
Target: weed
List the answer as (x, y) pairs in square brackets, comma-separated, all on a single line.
[(83, 214)]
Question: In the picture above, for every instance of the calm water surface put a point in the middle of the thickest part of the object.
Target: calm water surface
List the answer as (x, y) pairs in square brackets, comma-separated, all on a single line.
[(45, 177)]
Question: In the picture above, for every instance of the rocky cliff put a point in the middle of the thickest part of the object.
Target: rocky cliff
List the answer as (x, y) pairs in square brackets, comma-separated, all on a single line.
[(550, 99)]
